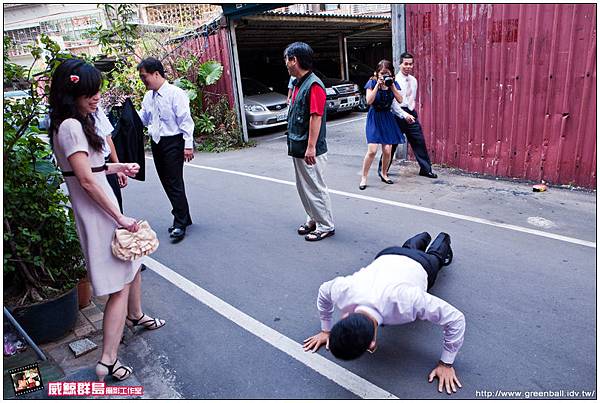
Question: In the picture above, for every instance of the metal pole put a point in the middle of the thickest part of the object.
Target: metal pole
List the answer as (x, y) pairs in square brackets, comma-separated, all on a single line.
[(343, 57), (347, 77), (238, 94), (23, 333), (398, 47)]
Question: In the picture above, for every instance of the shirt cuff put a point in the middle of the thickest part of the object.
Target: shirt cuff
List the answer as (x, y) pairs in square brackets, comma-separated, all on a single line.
[(326, 325), (189, 143), (448, 357)]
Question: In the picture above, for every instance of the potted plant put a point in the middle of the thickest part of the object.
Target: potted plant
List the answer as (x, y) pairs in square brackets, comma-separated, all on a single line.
[(42, 256)]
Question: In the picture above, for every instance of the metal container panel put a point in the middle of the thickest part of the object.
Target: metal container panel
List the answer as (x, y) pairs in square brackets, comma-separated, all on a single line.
[(212, 47), (508, 90)]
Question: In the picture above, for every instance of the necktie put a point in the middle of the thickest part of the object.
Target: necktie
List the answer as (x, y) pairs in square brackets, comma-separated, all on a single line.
[(155, 118), (410, 95)]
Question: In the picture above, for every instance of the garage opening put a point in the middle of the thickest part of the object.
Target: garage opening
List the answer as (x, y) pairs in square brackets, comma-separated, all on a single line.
[(347, 49)]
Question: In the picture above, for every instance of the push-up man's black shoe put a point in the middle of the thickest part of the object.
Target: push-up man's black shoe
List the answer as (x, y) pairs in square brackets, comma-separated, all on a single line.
[(428, 174), (449, 257), (177, 234)]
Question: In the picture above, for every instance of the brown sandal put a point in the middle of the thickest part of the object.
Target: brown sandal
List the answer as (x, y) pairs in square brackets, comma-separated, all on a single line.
[(319, 235)]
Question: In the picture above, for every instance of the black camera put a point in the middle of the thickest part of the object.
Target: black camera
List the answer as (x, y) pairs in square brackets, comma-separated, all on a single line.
[(388, 81)]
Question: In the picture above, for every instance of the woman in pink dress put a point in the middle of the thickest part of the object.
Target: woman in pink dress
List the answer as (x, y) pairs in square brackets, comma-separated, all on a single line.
[(74, 96)]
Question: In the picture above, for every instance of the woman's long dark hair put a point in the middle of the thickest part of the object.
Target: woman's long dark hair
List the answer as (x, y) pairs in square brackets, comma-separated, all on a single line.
[(64, 91)]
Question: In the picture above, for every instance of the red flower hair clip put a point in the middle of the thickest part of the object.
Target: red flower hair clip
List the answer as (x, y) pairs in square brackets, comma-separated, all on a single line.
[(74, 79)]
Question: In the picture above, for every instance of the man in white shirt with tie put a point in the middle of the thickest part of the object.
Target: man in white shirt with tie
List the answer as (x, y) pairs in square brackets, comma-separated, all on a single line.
[(392, 290), (105, 129), (166, 113), (406, 116)]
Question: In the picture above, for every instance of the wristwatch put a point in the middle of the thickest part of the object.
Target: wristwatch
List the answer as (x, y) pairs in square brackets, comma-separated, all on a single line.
[(445, 364)]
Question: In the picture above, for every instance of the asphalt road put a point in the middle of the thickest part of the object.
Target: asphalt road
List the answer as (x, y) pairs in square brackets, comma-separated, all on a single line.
[(529, 296)]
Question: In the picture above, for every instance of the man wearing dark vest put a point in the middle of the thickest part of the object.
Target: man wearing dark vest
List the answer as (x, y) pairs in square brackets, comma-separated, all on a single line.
[(392, 290), (306, 142)]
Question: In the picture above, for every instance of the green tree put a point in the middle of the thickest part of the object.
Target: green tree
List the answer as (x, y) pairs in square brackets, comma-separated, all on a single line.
[(42, 255)]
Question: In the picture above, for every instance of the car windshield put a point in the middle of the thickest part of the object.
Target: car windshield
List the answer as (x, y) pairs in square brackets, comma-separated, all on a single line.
[(16, 94), (253, 87)]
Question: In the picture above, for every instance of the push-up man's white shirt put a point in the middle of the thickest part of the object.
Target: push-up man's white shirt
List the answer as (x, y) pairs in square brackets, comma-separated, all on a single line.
[(393, 290)]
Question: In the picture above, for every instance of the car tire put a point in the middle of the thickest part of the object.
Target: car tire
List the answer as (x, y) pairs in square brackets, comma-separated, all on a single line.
[(362, 104)]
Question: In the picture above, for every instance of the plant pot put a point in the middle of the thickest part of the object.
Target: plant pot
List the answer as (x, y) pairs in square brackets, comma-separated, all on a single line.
[(49, 320), (84, 292)]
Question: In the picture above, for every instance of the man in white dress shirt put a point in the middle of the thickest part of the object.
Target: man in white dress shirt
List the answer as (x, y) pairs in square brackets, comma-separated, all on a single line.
[(392, 290), (166, 113), (105, 129), (407, 118)]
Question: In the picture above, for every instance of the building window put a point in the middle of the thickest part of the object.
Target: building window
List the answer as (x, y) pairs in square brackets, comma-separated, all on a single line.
[(21, 39), (182, 15), (75, 30), (329, 7)]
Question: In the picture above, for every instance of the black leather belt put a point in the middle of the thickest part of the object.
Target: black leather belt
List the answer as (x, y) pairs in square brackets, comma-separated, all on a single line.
[(94, 169)]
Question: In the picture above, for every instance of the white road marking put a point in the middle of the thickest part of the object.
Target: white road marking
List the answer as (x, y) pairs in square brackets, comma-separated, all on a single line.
[(278, 137), (340, 375), (478, 220), (328, 125), (346, 121)]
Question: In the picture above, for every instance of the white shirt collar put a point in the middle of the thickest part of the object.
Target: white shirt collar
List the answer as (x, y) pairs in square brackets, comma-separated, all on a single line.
[(162, 88), (371, 312)]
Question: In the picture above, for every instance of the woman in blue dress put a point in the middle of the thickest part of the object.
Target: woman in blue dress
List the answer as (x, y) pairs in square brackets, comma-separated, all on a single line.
[(381, 125)]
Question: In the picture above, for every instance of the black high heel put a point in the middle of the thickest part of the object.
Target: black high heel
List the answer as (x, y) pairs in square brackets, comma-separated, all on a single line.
[(149, 324), (103, 369)]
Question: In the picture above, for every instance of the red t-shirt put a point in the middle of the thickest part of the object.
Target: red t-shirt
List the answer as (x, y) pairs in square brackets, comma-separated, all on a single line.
[(317, 99)]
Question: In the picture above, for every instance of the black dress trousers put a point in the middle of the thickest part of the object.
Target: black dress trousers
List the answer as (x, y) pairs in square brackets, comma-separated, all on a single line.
[(113, 181), (168, 159), (431, 258), (414, 135)]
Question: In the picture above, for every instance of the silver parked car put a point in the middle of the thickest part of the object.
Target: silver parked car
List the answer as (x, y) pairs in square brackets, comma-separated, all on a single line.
[(264, 107)]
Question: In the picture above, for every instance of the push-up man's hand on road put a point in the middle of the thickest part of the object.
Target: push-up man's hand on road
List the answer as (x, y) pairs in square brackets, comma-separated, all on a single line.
[(447, 378), (313, 343)]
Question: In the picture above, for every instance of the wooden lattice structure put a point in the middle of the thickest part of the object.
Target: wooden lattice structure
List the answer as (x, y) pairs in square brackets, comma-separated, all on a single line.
[(181, 15)]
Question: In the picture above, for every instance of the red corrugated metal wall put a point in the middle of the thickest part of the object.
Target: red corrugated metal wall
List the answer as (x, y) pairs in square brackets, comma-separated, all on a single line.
[(508, 89), (212, 47)]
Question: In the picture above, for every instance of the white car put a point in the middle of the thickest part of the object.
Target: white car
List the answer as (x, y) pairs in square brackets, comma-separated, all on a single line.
[(264, 107)]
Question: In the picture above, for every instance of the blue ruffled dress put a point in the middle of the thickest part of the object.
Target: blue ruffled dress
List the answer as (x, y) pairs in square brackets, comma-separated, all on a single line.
[(381, 122)]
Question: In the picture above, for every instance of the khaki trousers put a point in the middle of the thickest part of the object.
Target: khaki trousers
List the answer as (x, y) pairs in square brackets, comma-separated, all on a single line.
[(310, 182)]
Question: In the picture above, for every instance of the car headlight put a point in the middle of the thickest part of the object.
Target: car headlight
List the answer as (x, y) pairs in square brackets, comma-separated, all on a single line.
[(330, 91), (254, 108), (355, 88)]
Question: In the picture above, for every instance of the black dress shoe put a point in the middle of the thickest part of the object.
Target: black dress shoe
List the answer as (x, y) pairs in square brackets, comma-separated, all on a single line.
[(428, 174), (171, 229), (177, 234), (449, 257)]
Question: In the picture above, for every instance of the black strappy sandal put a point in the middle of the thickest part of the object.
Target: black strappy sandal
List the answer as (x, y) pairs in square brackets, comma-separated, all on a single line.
[(103, 369), (306, 228), (319, 235), (149, 324)]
